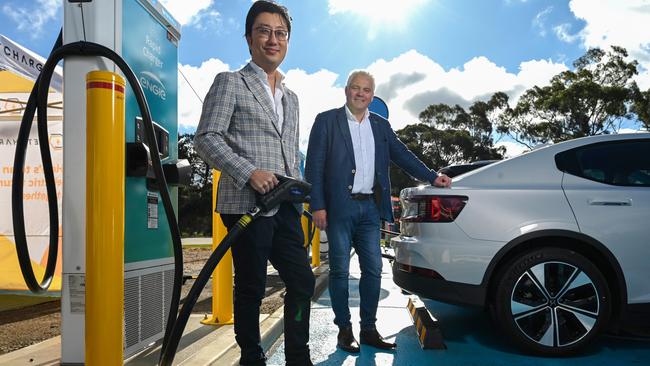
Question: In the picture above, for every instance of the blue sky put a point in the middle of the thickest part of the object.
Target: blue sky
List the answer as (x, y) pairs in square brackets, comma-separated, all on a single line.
[(450, 32), (420, 51)]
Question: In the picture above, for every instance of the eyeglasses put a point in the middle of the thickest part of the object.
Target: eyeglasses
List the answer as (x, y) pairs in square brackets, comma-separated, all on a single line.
[(280, 34)]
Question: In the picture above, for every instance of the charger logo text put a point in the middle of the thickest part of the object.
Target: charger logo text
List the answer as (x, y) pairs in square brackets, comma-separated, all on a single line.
[(151, 82)]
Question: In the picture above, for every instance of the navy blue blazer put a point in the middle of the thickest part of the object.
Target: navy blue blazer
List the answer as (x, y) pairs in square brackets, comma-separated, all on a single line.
[(330, 165)]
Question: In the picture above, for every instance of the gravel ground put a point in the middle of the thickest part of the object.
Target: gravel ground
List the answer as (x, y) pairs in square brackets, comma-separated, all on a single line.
[(23, 327), (33, 324)]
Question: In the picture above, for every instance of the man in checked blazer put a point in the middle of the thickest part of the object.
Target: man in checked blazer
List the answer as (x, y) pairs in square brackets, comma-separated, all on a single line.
[(249, 131)]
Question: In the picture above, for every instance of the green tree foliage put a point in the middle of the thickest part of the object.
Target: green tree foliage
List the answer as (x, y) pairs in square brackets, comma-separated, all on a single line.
[(641, 107), (195, 200), (593, 99), (451, 135)]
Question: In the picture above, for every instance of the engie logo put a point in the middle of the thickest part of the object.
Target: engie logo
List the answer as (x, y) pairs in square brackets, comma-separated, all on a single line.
[(150, 82)]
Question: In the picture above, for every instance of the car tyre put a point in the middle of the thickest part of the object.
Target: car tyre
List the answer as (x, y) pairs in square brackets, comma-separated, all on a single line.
[(551, 301)]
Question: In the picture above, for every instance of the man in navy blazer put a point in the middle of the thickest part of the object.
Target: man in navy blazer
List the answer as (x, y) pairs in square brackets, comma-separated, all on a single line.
[(349, 153)]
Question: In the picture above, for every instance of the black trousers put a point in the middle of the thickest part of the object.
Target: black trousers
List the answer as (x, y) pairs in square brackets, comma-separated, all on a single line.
[(278, 239)]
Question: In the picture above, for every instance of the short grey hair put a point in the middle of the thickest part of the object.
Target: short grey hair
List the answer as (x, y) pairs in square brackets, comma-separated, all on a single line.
[(365, 73)]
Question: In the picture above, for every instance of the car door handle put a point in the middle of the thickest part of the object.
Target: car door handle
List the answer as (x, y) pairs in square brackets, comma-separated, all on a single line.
[(599, 202)]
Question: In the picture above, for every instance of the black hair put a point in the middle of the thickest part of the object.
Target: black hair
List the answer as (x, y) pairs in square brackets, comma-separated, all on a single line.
[(266, 6)]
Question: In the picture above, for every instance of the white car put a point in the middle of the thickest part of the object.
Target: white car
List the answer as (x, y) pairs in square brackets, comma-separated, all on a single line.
[(554, 242)]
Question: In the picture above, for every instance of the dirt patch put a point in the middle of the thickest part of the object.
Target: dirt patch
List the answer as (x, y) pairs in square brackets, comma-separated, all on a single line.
[(33, 324), (23, 327)]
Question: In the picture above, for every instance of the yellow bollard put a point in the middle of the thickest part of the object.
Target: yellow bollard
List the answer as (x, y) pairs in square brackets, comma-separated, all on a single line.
[(315, 249), (304, 222), (105, 146), (315, 242), (222, 282)]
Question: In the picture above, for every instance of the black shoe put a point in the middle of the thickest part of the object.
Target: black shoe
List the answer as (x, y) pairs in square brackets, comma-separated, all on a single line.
[(253, 363), (372, 338), (294, 360), (259, 360), (346, 341), (305, 363)]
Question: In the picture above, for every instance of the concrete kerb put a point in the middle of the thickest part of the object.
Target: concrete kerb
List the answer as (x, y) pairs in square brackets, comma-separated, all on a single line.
[(272, 327)]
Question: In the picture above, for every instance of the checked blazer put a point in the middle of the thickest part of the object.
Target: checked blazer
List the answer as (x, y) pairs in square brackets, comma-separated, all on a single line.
[(238, 133)]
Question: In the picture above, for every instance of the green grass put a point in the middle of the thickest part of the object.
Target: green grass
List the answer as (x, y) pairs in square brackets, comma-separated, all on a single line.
[(197, 245)]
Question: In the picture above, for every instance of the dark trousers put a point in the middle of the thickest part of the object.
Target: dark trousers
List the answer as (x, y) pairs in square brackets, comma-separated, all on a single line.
[(278, 239)]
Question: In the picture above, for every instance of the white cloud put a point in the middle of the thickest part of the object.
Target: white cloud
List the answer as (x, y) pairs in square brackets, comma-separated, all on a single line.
[(539, 21), (643, 79), (317, 93), (478, 79), (185, 10), (414, 81), (201, 78), (631, 130), (621, 23), (512, 148), (538, 72), (562, 32), (207, 19), (32, 18), (479, 76)]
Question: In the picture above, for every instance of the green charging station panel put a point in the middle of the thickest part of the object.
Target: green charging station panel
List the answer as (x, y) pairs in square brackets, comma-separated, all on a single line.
[(152, 53)]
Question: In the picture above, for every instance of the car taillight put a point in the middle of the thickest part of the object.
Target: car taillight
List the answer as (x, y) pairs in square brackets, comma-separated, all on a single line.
[(433, 208)]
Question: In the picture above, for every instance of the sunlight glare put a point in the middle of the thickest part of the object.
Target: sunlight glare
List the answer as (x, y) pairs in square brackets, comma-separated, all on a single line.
[(378, 11)]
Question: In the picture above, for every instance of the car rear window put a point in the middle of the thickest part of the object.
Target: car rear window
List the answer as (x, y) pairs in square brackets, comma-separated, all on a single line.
[(621, 163)]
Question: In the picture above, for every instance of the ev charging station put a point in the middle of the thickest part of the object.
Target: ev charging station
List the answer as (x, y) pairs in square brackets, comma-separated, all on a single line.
[(122, 261), (146, 36)]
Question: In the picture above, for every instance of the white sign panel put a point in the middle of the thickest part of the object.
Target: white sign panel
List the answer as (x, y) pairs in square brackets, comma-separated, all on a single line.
[(23, 62), (34, 199)]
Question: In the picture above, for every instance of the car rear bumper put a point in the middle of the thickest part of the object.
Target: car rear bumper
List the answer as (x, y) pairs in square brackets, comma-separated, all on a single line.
[(439, 289)]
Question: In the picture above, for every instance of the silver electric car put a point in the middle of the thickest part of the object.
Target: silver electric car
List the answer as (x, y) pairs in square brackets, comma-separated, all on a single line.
[(554, 242)]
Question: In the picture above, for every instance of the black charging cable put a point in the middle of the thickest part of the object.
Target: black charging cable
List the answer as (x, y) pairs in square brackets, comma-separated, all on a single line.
[(167, 354), (311, 228), (289, 190), (17, 209)]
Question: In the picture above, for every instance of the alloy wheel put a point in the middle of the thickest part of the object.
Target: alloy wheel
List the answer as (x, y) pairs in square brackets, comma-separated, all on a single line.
[(555, 304)]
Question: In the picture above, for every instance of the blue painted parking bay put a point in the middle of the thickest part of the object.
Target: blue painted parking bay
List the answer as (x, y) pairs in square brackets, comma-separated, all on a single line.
[(468, 333)]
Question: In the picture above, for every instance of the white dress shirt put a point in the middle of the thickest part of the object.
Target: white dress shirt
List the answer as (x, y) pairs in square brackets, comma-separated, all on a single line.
[(275, 98), (363, 143)]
